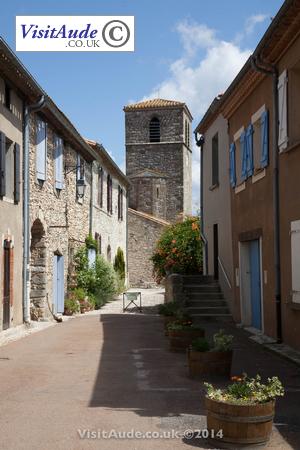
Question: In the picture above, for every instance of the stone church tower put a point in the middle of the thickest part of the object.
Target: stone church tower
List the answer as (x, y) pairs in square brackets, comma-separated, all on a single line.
[(159, 166)]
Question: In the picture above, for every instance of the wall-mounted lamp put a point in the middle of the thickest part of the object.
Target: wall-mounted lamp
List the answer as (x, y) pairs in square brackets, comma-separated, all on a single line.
[(199, 138), (80, 182)]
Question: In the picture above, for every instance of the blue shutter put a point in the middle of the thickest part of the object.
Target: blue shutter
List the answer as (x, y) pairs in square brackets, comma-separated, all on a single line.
[(2, 164), (232, 165), (264, 126), (244, 153), (58, 163), (41, 150), (249, 139)]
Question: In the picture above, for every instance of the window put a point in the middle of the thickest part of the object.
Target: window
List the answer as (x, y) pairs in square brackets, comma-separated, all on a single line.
[(292, 90), (215, 160), (154, 130), (9, 169), (99, 244), (120, 203), (109, 194), (187, 133), (108, 253), (295, 262), (259, 152), (41, 150), (100, 187), (282, 111), (80, 167), (58, 157), (7, 97), (157, 192)]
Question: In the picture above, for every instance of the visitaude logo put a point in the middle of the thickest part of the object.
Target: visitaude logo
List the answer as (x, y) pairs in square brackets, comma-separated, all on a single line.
[(75, 33)]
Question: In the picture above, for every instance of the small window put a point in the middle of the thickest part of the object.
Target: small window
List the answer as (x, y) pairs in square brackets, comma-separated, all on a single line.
[(120, 203), (100, 187), (98, 241), (58, 155), (215, 160), (187, 133), (154, 130), (80, 167), (157, 192), (108, 253), (109, 194), (7, 97), (9, 169)]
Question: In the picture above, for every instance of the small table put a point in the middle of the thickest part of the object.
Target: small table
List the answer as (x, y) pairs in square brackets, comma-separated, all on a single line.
[(132, 297)]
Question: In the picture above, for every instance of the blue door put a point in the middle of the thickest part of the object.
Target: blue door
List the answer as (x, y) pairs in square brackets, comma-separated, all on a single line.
[(255, 284), (58, 284)]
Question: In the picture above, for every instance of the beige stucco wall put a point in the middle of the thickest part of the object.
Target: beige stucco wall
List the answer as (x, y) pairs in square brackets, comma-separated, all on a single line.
[(11, 214), (111, 229), (216, 204)]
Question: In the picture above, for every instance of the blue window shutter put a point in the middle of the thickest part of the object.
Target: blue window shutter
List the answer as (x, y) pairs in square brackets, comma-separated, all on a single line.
[(232, 165), (249, 139), (264, 122), (41, 150), (2, 164), (17, 174), (58, 163), (244, 151)]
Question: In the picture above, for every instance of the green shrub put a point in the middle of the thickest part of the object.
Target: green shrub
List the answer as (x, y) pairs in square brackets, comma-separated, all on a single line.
[(201, 345), (222, 341), (90, 242), (168, 309), (179, 249), (71, 306), (79, 294), (99, 281), (119, 264)]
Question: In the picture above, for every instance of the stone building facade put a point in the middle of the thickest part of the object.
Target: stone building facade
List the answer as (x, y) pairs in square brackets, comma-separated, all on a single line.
[(159, 167), (109, 200), (59, 217)]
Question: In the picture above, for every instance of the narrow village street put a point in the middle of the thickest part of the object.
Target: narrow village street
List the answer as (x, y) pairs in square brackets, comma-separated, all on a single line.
[(107, 371)]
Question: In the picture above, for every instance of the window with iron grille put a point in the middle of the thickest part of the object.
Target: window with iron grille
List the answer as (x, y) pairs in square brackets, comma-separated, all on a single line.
[(154, 130), (100, 187), (109, 194), (120, 203)]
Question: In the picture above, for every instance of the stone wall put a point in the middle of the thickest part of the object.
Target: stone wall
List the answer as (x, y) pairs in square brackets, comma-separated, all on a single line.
[(111, 230), (143, 232), (62, 217)]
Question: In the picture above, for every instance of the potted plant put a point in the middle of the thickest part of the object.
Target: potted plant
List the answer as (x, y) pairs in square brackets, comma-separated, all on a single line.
[(182, 334), (207, 359), (244, 411)]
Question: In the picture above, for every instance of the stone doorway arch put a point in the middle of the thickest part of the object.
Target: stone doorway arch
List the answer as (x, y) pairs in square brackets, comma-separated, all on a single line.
[(38, 276)]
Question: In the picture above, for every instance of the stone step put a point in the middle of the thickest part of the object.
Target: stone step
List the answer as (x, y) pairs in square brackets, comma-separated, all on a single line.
[(195, 302), (198, 279), (202, 288), (205, 296), (211, 310)]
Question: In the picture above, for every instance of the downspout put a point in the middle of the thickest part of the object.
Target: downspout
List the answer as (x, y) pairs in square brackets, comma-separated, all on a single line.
[(200, 142), (91, 200), (260, 66), (26, 192)]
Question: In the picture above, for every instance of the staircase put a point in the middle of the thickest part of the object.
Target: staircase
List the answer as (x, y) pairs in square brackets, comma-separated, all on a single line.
[(204, 298)]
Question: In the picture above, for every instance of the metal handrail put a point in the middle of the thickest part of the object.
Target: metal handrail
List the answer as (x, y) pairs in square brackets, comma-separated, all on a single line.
[(224, 272)]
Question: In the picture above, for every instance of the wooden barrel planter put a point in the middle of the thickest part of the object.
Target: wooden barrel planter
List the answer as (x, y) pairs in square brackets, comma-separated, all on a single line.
[(241, 425), (180, 340), (209, 363)]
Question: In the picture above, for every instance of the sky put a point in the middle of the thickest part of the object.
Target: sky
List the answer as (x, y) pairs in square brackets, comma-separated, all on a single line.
[(187, 50)]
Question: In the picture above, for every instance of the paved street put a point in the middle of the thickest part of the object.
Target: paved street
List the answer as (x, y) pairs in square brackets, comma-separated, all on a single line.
[(113, 371)]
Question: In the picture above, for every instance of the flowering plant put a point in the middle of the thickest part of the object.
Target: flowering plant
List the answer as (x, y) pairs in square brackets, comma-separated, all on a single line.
[(179, 249), (247, 391)]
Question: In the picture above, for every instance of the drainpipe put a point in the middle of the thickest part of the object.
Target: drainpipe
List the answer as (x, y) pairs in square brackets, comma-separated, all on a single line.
[(91, 199), (200, 142), (26, 263), (268, 69)]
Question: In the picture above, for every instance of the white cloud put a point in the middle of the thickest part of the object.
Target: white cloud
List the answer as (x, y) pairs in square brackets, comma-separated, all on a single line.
[(252, 21), (205, 69)]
